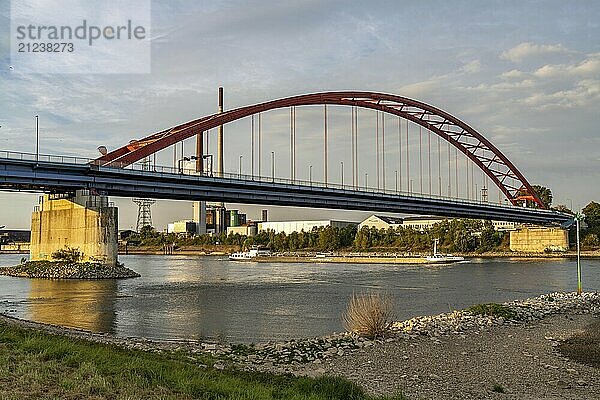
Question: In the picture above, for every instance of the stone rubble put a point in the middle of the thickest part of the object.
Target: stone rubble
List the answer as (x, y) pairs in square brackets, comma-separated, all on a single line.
[(68, 270), (455, 324)]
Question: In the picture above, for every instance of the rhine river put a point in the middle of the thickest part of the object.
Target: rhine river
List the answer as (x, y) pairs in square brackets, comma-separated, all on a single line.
[(187, 297)]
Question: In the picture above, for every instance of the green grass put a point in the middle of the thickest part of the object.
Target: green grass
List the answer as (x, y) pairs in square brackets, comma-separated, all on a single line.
[(37, 365), (498, 388), (493, 310)]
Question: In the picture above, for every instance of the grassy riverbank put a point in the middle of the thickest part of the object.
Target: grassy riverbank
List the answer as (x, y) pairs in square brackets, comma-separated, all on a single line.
[(38, 365)]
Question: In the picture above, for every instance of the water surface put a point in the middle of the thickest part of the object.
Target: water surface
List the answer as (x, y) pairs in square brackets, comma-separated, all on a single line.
[(191, 297)]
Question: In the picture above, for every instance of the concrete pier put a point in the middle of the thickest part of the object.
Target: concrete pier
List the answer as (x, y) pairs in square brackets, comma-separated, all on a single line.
[(539, 239), (85, 221)]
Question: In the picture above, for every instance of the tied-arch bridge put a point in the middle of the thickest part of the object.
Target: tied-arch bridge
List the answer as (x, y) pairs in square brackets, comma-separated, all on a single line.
[(120, 173), (456, 132)]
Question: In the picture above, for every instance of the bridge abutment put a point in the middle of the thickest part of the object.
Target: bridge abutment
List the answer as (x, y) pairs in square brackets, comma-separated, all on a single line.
[(84, 221), (539, 240)]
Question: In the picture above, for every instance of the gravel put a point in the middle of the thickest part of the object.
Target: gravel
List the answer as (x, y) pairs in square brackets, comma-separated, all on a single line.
[(68, 270)]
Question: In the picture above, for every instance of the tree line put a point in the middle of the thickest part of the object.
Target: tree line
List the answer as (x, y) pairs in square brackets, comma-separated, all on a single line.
[(459, 235)]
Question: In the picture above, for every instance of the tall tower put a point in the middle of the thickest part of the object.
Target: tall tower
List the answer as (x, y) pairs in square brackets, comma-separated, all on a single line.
[(144, 214), (220, 220)]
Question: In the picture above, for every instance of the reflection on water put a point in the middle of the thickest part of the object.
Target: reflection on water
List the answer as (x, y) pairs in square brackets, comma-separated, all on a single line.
[(185, 297), (88, 305)]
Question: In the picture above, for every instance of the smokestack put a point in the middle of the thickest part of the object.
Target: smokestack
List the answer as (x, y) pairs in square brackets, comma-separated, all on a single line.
[(220, 137), (264, 216)]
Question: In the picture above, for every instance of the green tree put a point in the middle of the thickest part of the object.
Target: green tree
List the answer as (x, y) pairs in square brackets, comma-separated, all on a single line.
[(590, 241), (544, 194), (489, 239), (592, 217)]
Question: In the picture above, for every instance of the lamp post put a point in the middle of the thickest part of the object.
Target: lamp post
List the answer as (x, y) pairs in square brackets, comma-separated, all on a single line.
[(366, 179), (210, 167), (342, 173), (396, 175), (273, 166), (310, 174), (37, 138), (241, 156)]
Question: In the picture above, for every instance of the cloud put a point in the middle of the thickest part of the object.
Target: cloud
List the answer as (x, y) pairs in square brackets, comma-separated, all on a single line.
[(590, 67), (585, 93), (472, 67), (528, 50), (512, 74)]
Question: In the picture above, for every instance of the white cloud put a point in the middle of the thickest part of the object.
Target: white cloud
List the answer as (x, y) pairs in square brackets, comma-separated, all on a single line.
[(472, 67), (585, 93), (528, 50), (512, 74)]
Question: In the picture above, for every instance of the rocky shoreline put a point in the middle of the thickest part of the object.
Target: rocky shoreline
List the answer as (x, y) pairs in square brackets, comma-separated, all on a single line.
[(68, 270), (463, 354), (281, 355)]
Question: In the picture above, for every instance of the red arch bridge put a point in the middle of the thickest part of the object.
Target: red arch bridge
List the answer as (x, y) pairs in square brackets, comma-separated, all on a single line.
[(433, 186)]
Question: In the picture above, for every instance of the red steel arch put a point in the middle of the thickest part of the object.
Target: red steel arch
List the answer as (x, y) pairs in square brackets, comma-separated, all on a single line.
[(466, 139)]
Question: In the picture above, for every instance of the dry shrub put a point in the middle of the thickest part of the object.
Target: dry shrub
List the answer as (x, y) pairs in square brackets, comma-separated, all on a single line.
[(369, 314)]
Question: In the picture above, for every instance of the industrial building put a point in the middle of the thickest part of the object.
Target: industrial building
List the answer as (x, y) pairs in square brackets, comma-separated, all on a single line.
[(288, 227), (249, 229), (381, 222), (187, 227), (420, 223)]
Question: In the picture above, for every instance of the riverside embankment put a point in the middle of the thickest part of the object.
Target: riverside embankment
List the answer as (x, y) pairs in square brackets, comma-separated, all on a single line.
[(461, 354)]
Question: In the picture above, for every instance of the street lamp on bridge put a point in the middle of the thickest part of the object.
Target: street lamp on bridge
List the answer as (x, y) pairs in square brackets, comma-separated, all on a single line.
[(342, 173), (37, 138), (273, 166), (241, 156), (310, 174)]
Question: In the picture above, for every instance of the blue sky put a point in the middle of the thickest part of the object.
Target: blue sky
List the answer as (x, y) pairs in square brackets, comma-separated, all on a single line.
[(524, 73)]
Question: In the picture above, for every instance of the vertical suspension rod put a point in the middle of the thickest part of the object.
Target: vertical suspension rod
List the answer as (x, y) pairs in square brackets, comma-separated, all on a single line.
[(383, 149), (429, 159), (377, 148), (421, 157), (439, 154), (325, 144), (252, 145), (352, 142), (407, 161), (259, 145), (400, 152), (456, 172)]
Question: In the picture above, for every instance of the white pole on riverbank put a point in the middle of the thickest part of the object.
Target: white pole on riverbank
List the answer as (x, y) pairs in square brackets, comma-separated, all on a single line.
[(577, 218)]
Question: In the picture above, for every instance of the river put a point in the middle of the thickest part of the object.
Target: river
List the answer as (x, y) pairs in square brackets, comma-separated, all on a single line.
[(187, 297)]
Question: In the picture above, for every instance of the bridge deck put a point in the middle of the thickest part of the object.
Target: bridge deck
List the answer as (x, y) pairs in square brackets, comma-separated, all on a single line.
[(19, 172)]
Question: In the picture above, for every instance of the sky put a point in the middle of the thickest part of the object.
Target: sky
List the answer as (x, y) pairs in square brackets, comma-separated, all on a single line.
[(526, 74)]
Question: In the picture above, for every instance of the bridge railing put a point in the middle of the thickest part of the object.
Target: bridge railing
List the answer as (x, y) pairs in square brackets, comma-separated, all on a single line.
[(150, 169), (48, 158)]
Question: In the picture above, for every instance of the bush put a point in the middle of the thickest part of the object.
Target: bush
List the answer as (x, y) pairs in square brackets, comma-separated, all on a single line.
[(369, 314), (68, 254), (493, 310)]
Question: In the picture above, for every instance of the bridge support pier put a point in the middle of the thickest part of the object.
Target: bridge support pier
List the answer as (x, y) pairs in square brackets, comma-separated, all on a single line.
[(539, 239), (83, 221)]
